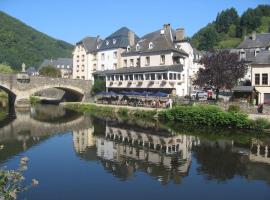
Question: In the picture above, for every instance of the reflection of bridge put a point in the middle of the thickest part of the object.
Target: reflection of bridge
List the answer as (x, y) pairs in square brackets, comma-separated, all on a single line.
[(24, 123), (20, 92)]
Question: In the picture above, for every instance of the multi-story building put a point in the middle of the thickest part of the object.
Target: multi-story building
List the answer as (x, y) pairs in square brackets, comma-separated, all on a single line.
[(162, 60), (250, 47), (109, 54), (85, 58), (260, 69), (65, 66)]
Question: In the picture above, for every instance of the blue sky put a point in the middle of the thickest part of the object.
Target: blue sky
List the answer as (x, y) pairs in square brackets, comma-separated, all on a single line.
[(71, 20)]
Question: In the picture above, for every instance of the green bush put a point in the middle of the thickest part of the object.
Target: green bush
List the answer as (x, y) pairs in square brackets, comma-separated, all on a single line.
[(234, 108), (205, 115)]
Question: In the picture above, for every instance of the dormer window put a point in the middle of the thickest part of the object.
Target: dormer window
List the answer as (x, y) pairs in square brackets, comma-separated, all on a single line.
[(137, 47), (256, 52), (242, 54), (114, 41), (128, 48), (107, 42), (151, 45)]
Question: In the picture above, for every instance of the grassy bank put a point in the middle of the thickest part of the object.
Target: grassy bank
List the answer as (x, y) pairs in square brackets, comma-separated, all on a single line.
[(194, 116), (109, 111)]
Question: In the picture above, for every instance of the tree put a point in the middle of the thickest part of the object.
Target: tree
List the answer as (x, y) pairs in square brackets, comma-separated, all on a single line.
[(222, 69), (225, 19), (50, 71), (208, 38), (5, 69), (99, 86)]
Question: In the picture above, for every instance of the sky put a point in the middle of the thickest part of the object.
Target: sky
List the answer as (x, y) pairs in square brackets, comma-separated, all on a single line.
[(72, 20)]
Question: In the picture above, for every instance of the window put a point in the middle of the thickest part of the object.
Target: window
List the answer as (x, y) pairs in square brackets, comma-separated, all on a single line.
[(102, 67), (114, 41), (179, 76), (136, 77), (128, 48), (151, 45), (265, 79), (126, 77), (94, 66), (153, 77), (137, 47), (147, 61), (131, 63), (125, 63), (162, 59), (242, 55), (138, 63), (147, 76), (102, 56), (131, 77), (114, 65), (170, 76), (107, 42), (159, 76), (140, 76), (165, 76), (257, 79), (115, 54), (256, 52)]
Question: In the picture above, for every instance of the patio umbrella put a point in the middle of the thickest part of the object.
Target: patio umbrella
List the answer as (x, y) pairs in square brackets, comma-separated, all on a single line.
[(145, 93)]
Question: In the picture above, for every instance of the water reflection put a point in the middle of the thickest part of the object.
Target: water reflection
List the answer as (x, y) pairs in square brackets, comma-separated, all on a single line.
[(126, 150)]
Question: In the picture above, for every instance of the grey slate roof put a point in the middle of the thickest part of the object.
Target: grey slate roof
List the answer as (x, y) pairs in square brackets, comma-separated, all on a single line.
[(243, 89), (90, 43), (161, 43), (132, 70), (262, 58), (59, 61), (121, 38), (262, 41)]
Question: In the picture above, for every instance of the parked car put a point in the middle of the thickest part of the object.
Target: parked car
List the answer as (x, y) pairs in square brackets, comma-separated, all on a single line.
[(199, 93)]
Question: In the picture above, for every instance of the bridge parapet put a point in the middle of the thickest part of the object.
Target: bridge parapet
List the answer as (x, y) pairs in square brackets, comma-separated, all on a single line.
[(23, 90)]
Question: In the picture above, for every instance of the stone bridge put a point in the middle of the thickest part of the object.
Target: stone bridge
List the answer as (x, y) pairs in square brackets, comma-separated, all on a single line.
[(19, 92)]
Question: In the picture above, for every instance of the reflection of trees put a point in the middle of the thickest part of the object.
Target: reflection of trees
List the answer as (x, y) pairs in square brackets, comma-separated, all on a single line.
[(219, 163)]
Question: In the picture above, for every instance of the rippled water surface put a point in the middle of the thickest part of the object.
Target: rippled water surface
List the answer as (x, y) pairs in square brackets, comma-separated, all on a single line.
[(80, 157)]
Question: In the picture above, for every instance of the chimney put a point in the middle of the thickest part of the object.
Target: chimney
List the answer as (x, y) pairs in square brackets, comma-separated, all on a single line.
[(180, 34), (166, 27), (131, 38), (253, 35)]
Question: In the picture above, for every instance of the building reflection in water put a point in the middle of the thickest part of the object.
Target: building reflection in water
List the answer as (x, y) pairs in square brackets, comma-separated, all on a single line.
[(165, 156), (123, 152)]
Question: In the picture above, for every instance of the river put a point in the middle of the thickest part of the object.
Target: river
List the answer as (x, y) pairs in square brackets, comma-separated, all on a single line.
[(76, 156)]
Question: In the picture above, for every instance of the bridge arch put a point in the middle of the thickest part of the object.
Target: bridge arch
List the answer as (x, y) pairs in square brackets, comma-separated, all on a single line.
[(78, 93)]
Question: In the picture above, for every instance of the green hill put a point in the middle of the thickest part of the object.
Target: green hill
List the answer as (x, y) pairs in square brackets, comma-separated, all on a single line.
[(228, 30), (20, 43)]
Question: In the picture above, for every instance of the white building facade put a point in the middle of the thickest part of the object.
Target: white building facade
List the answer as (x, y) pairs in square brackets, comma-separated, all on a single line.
[(160, 61)]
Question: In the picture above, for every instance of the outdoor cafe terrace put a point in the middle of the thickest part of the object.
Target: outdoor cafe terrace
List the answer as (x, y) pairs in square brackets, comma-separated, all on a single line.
[(145, 77)]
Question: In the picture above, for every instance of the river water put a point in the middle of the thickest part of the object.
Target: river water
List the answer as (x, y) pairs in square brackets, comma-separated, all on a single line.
[(76, 156)]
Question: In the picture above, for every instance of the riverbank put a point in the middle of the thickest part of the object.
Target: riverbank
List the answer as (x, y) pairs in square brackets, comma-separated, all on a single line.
[(196, 116)]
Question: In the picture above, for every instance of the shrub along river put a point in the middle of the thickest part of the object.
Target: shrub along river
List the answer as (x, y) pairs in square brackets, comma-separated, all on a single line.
[(77, 156)]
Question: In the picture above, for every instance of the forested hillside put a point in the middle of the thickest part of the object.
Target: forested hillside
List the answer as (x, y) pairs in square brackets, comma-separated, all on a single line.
[(20, 43), (228, 30)]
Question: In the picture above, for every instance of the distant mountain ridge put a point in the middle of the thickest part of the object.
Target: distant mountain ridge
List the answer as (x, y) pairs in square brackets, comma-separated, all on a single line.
[(21, 43), (229, 29)]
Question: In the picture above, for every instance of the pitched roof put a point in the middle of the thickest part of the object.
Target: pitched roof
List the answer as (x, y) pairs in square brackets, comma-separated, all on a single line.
[(119, 39), (243, 88), (162, 40), (60, 61), (262, 58), (262, 41), (90, 43), (130, 70)]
